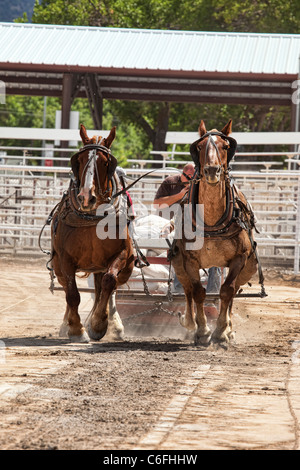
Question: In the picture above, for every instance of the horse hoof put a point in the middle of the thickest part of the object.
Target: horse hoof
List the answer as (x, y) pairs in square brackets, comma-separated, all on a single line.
[(96, 335), (115, 328), (191, 326), (202, 339), (231, 336), (115, 334), (83, 338), (222, 336), (63, 331)]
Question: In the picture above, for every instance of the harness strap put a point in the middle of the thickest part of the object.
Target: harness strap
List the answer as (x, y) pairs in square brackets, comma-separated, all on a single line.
[(94, 147), (131, 184), (49, 220), (259, 267), (230, 215)]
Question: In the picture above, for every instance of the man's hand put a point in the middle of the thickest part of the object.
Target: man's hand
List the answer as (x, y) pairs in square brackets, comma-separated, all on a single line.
[(183, 192), (167, 229), (170, 200)]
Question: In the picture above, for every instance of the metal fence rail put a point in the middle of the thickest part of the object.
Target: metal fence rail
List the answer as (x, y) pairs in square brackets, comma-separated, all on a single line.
[(28, 194)]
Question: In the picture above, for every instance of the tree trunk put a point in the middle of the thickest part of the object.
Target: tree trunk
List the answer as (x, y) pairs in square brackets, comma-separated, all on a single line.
[(162, 127), (157, 136)]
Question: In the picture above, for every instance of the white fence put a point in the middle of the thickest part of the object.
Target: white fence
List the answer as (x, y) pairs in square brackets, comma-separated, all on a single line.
[(27, 195)]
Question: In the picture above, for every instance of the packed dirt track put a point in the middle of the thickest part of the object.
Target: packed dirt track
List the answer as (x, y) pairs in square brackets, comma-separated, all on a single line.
[(149, 392)]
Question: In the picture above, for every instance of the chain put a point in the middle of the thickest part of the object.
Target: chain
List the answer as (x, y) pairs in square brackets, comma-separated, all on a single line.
[(169, 292), (157, 308), (146, 289)]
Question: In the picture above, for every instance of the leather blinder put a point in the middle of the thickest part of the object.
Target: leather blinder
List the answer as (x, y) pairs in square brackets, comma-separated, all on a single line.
[(194, 151)]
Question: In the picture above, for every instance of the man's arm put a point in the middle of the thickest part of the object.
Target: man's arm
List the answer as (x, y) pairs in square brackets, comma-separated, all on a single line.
[(169, 200)]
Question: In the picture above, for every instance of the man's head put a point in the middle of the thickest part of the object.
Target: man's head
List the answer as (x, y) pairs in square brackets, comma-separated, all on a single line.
[(187, 172)]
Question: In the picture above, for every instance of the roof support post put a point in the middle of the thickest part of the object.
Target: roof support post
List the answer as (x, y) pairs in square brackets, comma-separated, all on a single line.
[(66, 108), (71, 87), (94, 96), (66, 100)]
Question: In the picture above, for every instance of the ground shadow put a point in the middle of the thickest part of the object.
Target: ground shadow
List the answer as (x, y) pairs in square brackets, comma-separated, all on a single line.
[(101, 347)]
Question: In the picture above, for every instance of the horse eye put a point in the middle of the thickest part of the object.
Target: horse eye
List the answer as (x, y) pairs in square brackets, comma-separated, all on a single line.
[(225, 147)]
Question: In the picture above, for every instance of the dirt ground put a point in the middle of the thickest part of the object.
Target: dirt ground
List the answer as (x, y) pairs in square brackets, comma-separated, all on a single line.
[(148, 392)]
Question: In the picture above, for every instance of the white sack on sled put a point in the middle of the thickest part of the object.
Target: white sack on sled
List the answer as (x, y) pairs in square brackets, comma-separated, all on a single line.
[(148, 227), (151, 227)]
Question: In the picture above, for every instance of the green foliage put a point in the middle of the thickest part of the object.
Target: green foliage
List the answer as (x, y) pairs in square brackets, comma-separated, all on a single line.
[(139, 124), (158, 14), (73, 12), (259, 16), (266, 16), (25, 111)]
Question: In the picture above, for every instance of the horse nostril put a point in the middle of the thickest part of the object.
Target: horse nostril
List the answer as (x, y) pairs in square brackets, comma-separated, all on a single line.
[(93, 200), (212, 173), (86, 200)]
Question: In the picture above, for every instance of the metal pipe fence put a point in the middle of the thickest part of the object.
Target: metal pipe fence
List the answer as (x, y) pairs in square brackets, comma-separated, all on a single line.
[(28, 194)]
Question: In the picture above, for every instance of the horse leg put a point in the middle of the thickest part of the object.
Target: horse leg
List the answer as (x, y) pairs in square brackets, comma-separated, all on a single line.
[(203, 333), (101, 313), (223, 331), (194, 293), (63, 331), (187, 319), (71, 325), (115, 326)]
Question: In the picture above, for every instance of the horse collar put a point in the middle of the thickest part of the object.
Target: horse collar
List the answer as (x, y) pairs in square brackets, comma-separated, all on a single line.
[(222, 228)]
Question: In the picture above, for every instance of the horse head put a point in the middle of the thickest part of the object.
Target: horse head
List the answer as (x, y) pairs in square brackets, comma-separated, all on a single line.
[(212, 152), (93, 167)]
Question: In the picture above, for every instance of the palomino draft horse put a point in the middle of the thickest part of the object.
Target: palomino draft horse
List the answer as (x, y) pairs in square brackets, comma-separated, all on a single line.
[(76, 246), (228, 240)]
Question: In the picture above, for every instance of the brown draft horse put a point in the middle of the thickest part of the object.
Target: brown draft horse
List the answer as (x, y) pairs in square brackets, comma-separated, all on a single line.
[(77, 247), (227, 242)]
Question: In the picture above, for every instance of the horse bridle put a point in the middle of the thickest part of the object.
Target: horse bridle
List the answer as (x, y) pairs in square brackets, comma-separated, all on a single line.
[(111, 163), (194, 151), (189, 178)]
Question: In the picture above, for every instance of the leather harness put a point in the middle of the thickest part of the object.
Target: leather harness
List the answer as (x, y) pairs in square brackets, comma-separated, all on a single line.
[(238, 215)]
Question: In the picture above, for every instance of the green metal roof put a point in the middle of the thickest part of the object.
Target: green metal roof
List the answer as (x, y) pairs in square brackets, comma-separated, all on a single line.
[(154, 65), (91, 47)]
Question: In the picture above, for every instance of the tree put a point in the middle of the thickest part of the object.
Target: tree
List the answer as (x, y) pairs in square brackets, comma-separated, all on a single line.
[(258, 16), (151, 120)]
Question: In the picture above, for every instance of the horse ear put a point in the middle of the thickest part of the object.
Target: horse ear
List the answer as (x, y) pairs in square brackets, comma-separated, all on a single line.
[(202, 128), (228, 128), (109, 140), (83, 135)]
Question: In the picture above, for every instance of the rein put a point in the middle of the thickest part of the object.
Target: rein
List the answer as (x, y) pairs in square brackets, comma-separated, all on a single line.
[(109, 154)]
